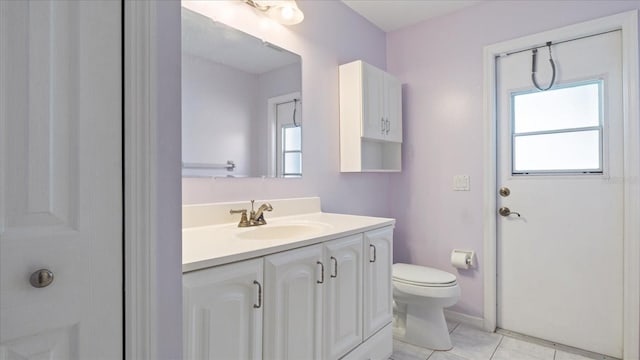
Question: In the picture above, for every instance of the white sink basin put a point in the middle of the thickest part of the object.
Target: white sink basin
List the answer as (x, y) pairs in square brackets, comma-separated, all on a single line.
[(282, 231)]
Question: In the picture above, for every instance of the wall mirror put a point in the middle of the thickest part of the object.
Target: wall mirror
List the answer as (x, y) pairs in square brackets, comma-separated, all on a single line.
[(241, 103)]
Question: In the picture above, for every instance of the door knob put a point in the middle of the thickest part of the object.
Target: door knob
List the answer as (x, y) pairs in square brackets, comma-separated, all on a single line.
[(41, 278), (505, 211)]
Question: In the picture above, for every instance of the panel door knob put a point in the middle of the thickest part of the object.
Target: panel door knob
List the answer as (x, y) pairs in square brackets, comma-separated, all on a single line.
[(41, 278)]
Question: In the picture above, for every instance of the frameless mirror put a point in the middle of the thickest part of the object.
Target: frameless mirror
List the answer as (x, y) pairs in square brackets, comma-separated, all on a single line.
[(241, 103)]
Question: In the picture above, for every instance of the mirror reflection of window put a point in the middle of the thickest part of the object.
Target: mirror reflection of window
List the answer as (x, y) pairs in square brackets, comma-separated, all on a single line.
[(289, 133)]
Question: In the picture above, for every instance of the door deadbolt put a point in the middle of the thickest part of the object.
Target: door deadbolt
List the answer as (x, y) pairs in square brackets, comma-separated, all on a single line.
[(504, 191)]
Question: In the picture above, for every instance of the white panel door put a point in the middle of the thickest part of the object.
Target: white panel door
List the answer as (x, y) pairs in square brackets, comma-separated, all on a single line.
[(61, 179), (343, 296), (223, 312), (560, 262), (378, 304), (293, 304)]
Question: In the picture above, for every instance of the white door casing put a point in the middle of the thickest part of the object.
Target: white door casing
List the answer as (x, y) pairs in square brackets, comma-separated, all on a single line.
[(627, 22), (61, 184), (560, 262)]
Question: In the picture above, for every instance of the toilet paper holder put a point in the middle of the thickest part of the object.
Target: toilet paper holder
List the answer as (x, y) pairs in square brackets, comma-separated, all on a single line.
[(462, 259)]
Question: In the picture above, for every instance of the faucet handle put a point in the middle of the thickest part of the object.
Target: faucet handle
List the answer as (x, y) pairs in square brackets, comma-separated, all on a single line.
[(244, 222)]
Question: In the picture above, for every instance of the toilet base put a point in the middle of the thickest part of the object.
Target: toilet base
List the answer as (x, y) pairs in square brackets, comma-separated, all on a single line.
[(423, 326)]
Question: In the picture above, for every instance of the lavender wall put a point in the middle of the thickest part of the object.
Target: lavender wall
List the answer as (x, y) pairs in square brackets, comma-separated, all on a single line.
[(440, 62), (331, 34)]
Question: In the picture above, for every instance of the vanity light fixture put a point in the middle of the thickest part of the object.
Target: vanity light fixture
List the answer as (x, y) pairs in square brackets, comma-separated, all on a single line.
[(286, 12)]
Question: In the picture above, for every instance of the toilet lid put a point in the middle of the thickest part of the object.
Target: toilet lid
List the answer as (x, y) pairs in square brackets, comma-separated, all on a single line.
[(422, 275)]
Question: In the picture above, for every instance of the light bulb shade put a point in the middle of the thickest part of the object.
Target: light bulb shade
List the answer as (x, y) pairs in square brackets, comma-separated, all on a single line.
[(285, 12)]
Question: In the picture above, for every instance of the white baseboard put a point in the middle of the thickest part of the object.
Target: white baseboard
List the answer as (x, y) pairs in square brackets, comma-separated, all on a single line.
[(461, 318)]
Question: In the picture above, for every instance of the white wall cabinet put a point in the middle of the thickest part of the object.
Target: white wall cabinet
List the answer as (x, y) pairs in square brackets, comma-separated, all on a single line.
[(223, 312), (370, 119), (381, 102), (325, 301)]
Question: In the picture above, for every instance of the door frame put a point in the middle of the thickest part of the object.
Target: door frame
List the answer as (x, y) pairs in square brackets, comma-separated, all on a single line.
[(627, 22), (152, 175)]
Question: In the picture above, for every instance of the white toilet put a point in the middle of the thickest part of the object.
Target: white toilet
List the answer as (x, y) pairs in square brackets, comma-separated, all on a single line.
[(420, 293)]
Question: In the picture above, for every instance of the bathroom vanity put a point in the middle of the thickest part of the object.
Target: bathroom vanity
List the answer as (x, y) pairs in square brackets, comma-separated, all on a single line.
[(307, 285)]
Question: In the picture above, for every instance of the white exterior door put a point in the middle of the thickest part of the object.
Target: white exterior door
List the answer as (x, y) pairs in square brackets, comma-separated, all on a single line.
[(560, 262), (343, 296), (61, 179)]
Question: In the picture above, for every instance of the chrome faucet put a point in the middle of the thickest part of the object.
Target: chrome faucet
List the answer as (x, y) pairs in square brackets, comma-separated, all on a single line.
[(255, 217)]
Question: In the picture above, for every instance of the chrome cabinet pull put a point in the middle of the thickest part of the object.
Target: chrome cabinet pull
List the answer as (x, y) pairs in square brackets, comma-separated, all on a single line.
[(321, 281), (259, 305), (374, 253), (388, 126), (382, 125), (335, 267), (41, 278)]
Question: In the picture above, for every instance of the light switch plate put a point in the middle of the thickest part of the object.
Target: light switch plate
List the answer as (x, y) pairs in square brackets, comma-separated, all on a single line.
[(461, 183)]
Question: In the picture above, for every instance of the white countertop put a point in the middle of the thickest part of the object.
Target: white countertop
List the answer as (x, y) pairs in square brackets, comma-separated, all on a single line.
[(207, 246)]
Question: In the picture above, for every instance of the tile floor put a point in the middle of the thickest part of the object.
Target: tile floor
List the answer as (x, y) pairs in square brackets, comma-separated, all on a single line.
[(473, 344)]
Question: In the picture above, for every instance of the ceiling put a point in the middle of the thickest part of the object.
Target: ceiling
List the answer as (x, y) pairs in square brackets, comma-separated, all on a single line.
[(390, 15)]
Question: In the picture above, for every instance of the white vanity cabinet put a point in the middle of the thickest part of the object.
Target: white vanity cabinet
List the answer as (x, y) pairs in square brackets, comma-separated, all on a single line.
[(326, 301), (370, 119), (378, 287), (343, 295), (223, 312), (293, 304)]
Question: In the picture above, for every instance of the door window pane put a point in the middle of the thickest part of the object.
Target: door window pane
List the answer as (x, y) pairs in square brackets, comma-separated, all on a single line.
[(569, 107), (577, 151), (559, 130)]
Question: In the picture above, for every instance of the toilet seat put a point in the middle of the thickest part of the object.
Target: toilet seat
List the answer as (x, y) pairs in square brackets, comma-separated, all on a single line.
[(422, 276)]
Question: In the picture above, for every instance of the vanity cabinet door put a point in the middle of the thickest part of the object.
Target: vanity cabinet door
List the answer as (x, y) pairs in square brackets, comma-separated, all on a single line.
[(293, 303), (378, 304), (343, 296), (223, 312)]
